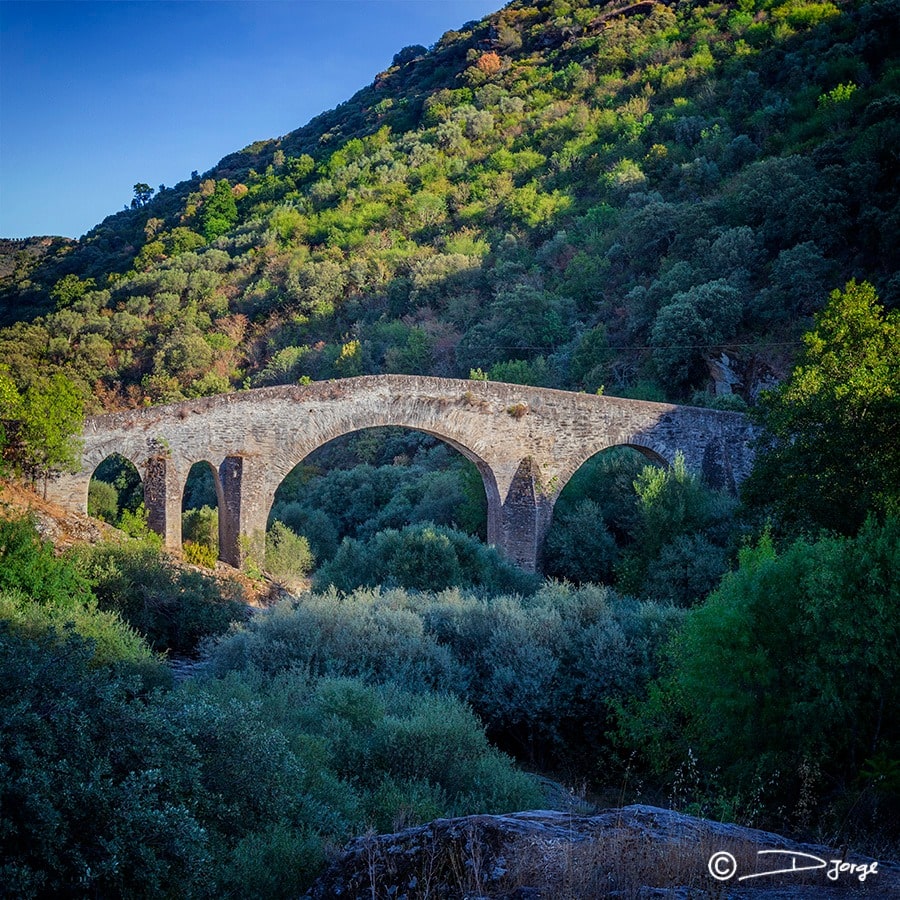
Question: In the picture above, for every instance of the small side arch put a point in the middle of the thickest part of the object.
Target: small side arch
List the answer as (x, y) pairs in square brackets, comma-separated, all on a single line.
[(115, 487), (653, 455), (202, 485)]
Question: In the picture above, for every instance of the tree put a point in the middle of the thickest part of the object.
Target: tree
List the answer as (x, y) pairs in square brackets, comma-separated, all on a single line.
[(792, 660), (10, 415), (580, 546), (51, 416), (69, 289), (142, 195), (591, 358), (287, 554), (695, 321), (408, 54), (219, 211), (830, 450)]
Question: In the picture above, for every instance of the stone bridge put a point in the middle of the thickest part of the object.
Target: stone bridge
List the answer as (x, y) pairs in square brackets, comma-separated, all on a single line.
[(527, 443)]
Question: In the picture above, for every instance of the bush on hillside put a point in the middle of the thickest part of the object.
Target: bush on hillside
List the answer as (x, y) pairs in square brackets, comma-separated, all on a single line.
[(44, 597), (29, 564), (174, 609)]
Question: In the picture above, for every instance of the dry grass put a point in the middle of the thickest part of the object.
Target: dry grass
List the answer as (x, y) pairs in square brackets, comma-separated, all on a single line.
[(623, 860), (628, 862)]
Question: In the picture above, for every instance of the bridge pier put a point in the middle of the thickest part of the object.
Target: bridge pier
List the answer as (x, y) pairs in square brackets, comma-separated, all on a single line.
[(230, 479), (242, 516), (518, 524), (162, 499)]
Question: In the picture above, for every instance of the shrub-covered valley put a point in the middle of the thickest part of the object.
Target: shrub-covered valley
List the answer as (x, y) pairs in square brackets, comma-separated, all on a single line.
[(694, 203)]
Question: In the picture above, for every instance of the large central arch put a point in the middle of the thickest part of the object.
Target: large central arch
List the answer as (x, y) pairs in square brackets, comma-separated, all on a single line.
[(305, 446), (526, 442)]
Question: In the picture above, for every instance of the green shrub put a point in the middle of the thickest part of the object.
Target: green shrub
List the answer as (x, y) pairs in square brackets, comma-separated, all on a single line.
[(171, 607), (579, 545), (425, 750), (96, 791), (685, 570), (276, 861), (544, 670), (676, 512), (220, 787), (287, 554), (540, 671), (199, 555), (103, 501), (791, 662), (44, 597), (422, 557), (134, 524), (367, 634), (111, 639), (28, 564), (201, 527)]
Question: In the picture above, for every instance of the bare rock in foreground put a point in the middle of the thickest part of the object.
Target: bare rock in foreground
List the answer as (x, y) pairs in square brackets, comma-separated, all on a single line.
[(634, 852)]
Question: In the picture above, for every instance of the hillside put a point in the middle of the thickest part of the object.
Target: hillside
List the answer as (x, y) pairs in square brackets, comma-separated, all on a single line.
[(665, 201), (647, 197)]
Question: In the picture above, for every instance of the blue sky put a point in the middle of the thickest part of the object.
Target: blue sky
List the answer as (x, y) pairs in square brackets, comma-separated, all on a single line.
[(95, 97)]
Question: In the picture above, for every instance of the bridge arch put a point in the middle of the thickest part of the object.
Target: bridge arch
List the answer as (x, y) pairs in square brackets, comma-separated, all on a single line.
[(283, 496), (124, 481), (202, 470), (655, 456), (306, 444)]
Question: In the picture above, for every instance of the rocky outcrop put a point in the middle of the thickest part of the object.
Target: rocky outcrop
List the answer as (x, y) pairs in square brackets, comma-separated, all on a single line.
[(634, 852)]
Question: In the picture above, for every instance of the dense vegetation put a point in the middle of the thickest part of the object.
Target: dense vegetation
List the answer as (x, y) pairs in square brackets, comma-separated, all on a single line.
[(654, 201), (784, 683), (117, 783), (557, 194)]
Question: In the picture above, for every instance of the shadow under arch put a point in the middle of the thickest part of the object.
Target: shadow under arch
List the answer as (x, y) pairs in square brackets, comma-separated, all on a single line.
[(282, 506), (593, 514)]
